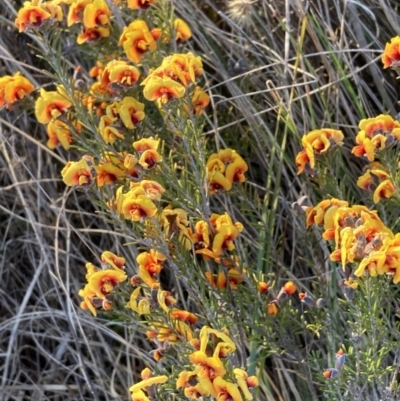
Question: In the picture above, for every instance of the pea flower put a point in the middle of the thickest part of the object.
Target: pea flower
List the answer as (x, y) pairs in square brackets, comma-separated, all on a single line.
[(140, 4), (93, 34), (150, 266), (182, 68), (286, 291), (201, 235), (137, 39), (31, 15), (147, 385), (225, 168), (77, 174), (109, 171), (58, 133), (245, 382), (136, 208), (207, 367), (96, 13), (200, 100), (51, 105), (14, 88), (226, 390), (262, 287), (146, 144), (112, 260), (152, 189), (273, 307), (131, 112), (222, 280), (391, 54), (104, 281), (182, 30), (118, 72), (110, 130), (316, 143), (76, 11), (330, 373), (174, 223), (138, 303), (163, 89)]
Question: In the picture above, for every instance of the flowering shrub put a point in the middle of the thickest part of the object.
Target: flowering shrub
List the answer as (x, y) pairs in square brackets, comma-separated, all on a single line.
[(132, 121)]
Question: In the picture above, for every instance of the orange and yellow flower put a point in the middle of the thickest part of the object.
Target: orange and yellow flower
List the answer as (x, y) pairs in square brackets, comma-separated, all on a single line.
[(163, 89), (316, 143), (140, 4), (131, 112), (138, 303), (150, 266), (136, 40), (110, 130), (104, 281), (225, 168), (384, 190), (31, 16), (222, 280), (109, 171), (50, 105), (152, 189), (391, 54), (148, 381), (200, 100), (77, 174), (245, 383), (136, 208), (207, 367), (93, 34), (96, 13), (182, 30), (14, 88), (146, 144), (174, 223), (76, 11), (113, 260), (58, 133), (120, 73)]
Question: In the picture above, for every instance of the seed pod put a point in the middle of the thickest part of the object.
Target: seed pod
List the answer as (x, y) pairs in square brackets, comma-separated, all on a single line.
[(340, 359), (306, 299), (330, 373)]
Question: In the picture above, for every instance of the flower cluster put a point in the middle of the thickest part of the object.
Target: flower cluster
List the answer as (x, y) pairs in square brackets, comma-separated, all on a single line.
[(360, 238), (225, 168), (220, 239), (376, 134), (210, 366), (51, 108), (377, 179), (14, 88), (101, 282), (128, 156), (170, 80), (317, 143)]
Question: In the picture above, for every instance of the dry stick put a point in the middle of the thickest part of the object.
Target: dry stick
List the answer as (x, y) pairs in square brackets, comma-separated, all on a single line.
[(357, 70)]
